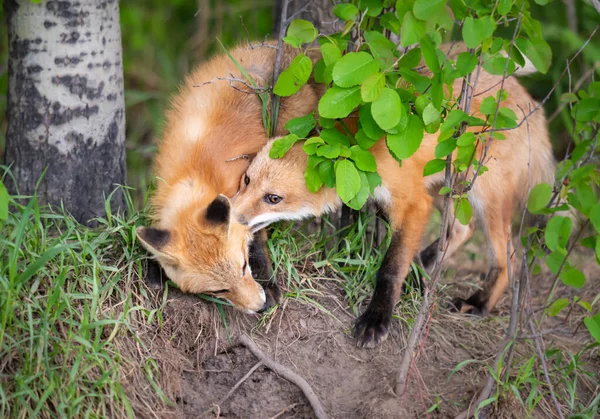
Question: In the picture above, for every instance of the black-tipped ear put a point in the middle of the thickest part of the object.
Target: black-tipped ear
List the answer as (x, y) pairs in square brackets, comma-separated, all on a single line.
[(153, 239), (218, 210)]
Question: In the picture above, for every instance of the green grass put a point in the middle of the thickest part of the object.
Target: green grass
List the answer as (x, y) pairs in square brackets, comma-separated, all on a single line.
[(68, 296)]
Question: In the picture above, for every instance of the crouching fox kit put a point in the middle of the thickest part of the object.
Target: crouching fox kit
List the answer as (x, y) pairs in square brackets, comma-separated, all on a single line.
[(213, 129), (275, 189)]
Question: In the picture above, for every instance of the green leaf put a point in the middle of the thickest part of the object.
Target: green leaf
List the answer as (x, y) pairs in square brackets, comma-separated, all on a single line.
[(539, 197), (374, 181), (593, 326), (333, 136), (444, 148), (347, 180), (429, 54), (312, 175), (310, 146), (475, 31), (430, 114), (293, 41), (338, 102), (434, 166), (572, 277), (412, 30), (497, 65), (331, 53), (330, 151), (3, 202), (372, 7), (425, 9), (294, 77), (444, 190), (504, 6), (454, 118), (466, 139), (463, 210), (363, 140), (372, 87), (353, 68), (595, 217), (345, 11), (363, 193), (302, 29), (327, 173), (538, 51), (282, 145), (568, 97), (364, 159), (557, 232), (387, 109), (465, 64), (555, 259), (301, 126), (391, 22), (368, 124), (406, 143), (488, 105), (557, 306)]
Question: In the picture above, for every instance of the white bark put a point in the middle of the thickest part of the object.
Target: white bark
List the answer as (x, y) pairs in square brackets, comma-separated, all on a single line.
[(65, 102)]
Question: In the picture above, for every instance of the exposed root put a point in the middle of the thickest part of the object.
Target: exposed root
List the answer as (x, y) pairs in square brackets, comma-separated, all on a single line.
[(286, 373)]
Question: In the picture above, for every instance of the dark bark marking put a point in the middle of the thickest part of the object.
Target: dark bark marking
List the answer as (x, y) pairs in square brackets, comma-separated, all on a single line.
[(78, 85)]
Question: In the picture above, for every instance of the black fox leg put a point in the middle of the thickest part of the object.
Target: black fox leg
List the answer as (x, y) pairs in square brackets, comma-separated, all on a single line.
[(372, 326), (153, 274), (260, 264)]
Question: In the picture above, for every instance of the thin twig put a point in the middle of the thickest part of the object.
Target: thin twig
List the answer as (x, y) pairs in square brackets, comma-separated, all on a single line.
[(286, 373), (247, 33), (547, 97), (235, 387), (415, 334), (232, 80), (285, 410), (578, 84), (277, 64)]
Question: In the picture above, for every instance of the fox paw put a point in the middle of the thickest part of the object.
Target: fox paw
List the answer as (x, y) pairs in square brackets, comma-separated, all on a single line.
[(272, 294), (460, 305), (371, 329)]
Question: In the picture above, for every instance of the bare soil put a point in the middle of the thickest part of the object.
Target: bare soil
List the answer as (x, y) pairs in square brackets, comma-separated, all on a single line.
[(197, 362)]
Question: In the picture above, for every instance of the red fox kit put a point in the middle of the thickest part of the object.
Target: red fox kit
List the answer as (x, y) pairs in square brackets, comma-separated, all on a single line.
[(275, 189), (213, 128)]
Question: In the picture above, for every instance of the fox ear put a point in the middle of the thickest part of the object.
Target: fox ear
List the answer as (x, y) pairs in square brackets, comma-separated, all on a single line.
[(218, 211), (155, 241)]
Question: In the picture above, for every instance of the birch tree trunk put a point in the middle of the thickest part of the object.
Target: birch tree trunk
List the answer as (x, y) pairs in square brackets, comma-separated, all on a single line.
[(65, 103)]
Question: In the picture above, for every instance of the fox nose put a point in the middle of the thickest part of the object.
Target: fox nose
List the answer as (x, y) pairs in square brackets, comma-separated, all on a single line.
[(264, 308)]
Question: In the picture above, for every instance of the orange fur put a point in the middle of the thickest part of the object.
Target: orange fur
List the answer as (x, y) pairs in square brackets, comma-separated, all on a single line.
[(407, 196), (212, 130)]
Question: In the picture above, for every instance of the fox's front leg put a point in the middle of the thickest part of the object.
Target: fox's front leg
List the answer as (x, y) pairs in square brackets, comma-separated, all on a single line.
[(260, 264), (372, 326)]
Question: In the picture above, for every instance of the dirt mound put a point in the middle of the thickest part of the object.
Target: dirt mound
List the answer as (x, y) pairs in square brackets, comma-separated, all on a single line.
[(197, 361)]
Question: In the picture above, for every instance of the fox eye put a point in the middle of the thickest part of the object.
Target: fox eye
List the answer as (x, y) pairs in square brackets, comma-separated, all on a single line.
[(246, 180), (273, 199), (218, 292)]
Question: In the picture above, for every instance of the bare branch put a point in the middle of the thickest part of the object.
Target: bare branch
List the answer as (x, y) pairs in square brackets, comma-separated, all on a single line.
[(596, 5), (232, 80), (547, 97)]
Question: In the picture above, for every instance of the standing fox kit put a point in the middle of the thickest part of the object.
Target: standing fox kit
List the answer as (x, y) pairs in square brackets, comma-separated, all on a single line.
[(212, 130), (275, 189)]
